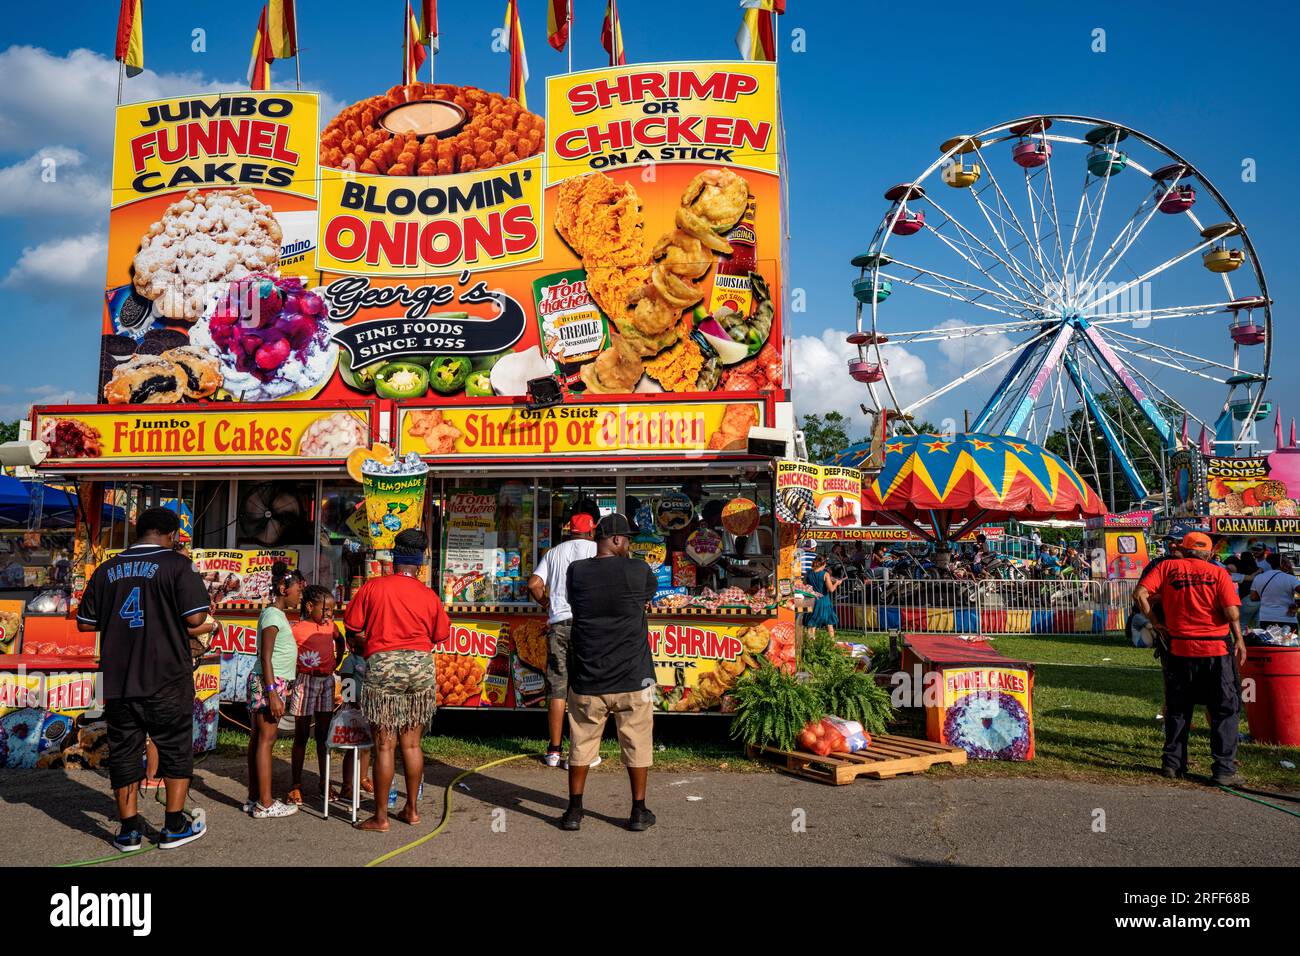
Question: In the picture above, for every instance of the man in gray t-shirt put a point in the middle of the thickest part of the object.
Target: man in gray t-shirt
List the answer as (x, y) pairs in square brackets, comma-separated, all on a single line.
[(551, 575)]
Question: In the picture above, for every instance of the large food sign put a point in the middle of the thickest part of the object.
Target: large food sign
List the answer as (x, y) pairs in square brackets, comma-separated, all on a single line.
[(439, 242), (821, 496), (1266, 486)]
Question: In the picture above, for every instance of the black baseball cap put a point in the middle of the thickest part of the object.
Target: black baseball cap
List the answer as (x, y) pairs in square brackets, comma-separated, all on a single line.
[(613, 525)]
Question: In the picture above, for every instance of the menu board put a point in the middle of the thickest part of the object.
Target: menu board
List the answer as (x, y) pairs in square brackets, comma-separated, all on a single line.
[(237, 576), (819, 496), (470, 546)]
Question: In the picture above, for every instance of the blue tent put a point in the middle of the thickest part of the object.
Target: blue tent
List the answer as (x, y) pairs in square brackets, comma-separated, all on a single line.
[(59, 508)]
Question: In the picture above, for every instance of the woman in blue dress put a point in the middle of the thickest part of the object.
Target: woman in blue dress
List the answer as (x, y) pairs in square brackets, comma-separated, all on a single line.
[(823, 610)]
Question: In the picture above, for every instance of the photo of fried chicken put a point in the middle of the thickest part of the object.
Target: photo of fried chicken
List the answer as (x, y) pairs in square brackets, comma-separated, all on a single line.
[(437, 433), (733, 431), (497, 131), (644, 292)]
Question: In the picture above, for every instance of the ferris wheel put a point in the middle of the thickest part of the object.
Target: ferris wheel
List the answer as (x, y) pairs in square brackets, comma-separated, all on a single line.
[(1070, 261)]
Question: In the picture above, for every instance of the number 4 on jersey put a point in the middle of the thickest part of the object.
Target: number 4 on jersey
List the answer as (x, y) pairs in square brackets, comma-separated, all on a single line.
[(131, 611)]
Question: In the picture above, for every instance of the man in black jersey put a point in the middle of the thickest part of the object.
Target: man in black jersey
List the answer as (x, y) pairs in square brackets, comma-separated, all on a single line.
[(146, 603)]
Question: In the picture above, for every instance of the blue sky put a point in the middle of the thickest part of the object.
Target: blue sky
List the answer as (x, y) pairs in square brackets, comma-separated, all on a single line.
[(875, 90)]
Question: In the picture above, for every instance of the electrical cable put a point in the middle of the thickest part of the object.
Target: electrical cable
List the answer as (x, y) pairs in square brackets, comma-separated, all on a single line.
[(1245, 796)]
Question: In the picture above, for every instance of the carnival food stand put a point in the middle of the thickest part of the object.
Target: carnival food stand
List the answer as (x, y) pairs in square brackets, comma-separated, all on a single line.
[(578, 313)]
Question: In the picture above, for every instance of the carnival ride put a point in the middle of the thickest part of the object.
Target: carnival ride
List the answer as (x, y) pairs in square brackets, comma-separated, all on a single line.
[(1077, 307)]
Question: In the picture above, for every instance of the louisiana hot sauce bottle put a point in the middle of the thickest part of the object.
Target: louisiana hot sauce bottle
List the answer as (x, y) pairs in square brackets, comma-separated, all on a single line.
[(732, 287)]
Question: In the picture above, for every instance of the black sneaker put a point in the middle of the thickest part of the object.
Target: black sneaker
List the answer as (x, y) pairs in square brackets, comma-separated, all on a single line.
[(572, 819), (128, 841), (1169, 773), (641, 819), (195, 827), (1232, 780)]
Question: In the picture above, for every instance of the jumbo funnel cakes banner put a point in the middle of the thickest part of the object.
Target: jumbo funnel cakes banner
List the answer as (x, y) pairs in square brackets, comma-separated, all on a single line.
[(199, 434), (460, 247)]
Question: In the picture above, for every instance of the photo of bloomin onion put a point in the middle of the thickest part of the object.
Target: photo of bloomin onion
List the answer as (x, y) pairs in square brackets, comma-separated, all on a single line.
[(496, 130)]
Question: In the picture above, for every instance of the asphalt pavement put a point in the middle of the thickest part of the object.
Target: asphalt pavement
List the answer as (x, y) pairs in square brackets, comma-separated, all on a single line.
[(508, 815)]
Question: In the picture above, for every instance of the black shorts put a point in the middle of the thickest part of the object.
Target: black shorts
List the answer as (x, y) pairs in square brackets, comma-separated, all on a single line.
[(167, 718)]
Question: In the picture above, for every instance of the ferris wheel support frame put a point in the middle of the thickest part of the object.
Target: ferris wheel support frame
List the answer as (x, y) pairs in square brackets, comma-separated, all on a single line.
[(1135, 482)]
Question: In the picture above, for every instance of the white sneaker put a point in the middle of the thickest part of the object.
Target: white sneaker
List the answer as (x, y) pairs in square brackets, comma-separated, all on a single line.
[(594, 763), (553, 758), (276, 809)]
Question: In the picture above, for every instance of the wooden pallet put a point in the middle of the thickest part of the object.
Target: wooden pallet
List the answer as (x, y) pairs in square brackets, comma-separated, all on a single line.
[(888, 756)]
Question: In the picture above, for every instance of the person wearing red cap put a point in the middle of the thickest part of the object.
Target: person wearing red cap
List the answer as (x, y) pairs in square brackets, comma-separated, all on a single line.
[(551, 575), (1200, 659)]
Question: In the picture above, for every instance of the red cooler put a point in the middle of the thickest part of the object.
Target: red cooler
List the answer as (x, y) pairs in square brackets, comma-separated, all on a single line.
[(1274, 714)]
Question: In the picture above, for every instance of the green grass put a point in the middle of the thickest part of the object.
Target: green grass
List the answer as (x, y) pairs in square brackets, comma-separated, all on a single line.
[(1095, 704)]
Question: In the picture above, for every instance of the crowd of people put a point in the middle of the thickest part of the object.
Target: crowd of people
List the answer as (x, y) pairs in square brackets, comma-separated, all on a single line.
[(153, 614)]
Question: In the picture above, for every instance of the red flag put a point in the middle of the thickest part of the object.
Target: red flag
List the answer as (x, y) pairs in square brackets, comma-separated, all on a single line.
[(259, 59), (518, 58), (558, 15), (429, 24), (130, 36), (413, 54), (611, 35)]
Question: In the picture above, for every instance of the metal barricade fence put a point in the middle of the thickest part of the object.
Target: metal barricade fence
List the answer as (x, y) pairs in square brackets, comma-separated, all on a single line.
[(990, 606)]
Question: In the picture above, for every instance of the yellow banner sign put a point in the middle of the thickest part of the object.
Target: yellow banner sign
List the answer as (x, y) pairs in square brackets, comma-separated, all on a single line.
[(423, 225), (265, 140), (719, 113), (705, 427), (189, 435), (836, 491)]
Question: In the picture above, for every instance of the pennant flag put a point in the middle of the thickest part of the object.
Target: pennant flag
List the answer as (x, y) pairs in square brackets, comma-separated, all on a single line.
[(130, 36), (259, 61), (1206, 448), (429, 24), (413, 55), (611, 35), (756, 38), (518, 58), (1277, 429), (280, 29), (1291, 443), (558, 14)]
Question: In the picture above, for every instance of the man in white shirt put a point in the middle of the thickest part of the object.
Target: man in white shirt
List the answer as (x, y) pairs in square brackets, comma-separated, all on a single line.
[(1275, 592), (552, 573)]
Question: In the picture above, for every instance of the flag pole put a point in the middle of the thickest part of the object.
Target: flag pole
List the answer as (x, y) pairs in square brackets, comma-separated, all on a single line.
[(121, 71), (297, 52), (568, 47)]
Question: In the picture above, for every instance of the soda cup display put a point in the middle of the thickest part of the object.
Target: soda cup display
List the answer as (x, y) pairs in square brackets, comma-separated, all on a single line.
[(394, 498)]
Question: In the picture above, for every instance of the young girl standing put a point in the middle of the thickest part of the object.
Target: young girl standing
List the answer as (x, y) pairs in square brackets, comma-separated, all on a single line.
[(319, 646), (268, 689)]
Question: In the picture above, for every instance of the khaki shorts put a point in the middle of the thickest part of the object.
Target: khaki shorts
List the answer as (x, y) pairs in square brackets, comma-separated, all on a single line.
[(633, 718), (557, 659)]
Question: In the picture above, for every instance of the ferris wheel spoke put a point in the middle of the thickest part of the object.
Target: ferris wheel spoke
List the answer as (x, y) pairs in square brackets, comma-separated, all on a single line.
[(973, 373), (988, 214), (950, 282), (1095, 222), (967, 236), (1182, 369), (1170, 352), (947, 334), (1151, 273), (1033, 243), (1169, 312), (1046, 267), (1092, 278), (1056, 215)]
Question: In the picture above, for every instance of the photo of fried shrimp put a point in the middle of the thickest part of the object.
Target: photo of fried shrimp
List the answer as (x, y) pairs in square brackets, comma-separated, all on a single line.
[(497, 131), (438, 434)]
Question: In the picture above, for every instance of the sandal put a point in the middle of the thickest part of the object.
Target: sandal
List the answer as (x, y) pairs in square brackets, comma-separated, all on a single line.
[(367, 785), (294, 797)]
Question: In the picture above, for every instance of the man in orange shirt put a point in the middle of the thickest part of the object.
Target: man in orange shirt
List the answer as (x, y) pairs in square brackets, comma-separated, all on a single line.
[(1200, 605)]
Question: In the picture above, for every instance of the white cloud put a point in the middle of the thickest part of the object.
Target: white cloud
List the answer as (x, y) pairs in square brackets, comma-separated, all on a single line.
[(70, 99), (964, 352), (821, 376), (73, 268), (56, 181), (47, 395)]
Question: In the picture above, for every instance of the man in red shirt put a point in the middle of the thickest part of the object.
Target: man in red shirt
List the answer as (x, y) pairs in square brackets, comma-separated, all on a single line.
[(393, 622), (1200, 605)]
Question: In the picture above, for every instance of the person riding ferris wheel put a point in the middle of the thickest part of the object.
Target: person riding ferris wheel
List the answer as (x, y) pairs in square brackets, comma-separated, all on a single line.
[(1080, 305)]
